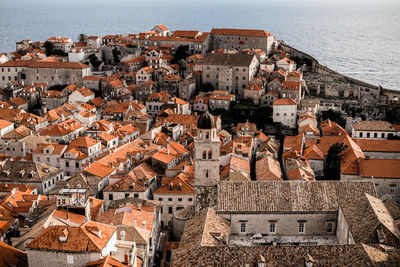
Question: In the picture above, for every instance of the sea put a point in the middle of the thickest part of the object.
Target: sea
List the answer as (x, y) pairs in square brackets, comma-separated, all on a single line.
[(359, 38)]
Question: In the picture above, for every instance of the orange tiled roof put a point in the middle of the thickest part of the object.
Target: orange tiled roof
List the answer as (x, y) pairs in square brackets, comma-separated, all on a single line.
[(62, 128), (11, 256), (285, 101), (268, 168), (89, 237), (85, 142), (4, 124), (380, 168), (375, 145), (176, 185), (99, 170), (68, 216), (241, 32), (18, 101), (107, 261)]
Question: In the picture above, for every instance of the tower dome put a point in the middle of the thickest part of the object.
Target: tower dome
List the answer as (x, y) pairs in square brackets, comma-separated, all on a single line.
[(206, 121)]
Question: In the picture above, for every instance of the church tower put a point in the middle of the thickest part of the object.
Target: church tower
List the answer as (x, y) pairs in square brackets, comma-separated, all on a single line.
[(206, 163)]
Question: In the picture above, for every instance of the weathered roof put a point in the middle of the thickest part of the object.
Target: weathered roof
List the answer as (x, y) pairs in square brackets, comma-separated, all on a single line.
[(242, 60), (286, 196), (374, 126), (334, 255), (365, 215)]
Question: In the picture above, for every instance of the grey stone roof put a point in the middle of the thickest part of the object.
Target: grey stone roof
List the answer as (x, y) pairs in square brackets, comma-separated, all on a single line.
[(240, 60), (287, 196), (335, 255), (24, 171)]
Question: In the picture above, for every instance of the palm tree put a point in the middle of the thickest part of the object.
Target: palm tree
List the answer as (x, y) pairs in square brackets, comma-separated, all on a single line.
[(82, 38)]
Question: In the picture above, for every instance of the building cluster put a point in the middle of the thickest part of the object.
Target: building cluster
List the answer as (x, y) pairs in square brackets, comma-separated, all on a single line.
[(109, 156)]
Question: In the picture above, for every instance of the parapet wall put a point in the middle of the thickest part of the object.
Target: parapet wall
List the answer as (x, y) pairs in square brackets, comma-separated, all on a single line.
[(318, 68)]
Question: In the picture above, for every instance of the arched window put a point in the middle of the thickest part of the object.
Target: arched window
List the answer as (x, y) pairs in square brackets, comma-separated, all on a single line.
[(204, 154), (209, 154), (206, 173)]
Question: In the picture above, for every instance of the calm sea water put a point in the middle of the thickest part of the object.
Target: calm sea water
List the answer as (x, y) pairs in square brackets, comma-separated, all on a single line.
[(360, 39)]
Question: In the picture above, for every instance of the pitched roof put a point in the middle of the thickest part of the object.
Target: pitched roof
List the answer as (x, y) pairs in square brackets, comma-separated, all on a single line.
[(365, 216), (242, 60), (4, 124), (285, 101), (208, 229), (378, 145), (89, 237), (107, 261), (10, 256), (286, 196), (241, 32), (338, 255), (374, 126), (380, 168), (268, 168)]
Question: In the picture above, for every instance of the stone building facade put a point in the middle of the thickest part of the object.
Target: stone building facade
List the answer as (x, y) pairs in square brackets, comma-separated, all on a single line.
[(240, 39), (229, 72)]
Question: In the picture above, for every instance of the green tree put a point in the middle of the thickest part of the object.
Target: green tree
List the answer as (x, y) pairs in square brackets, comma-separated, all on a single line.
[(82, 38), (333, 115), (94, 61), (392, 115), (182, 52), (116, 53), (49, 46), (332, 162)]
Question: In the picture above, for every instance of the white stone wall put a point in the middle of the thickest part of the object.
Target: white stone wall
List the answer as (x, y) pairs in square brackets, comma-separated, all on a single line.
[(343, 233), (285, 224), (372, 134), (382, 155), (173, 202), (285, 114), (6, 129), (38, 258), (9, 74)]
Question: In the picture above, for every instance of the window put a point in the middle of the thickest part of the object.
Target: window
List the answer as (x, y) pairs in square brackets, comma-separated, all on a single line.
[(67, 164), (160, 199), (126, 195), (243, 227), (361, 134), (76, 164), (190, 199), (375, 135), (301, 227), (272, 227), (277, 114), (368, 134), (209, 154), (204, 154), (392, 188), (169, 210), (179, 199), (170, 199), (206, 173), (110, 197), (70, 259), (48, 159), (330, 227)]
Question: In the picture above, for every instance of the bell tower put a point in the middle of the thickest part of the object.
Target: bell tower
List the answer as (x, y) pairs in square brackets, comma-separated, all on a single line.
[(206, 162)]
